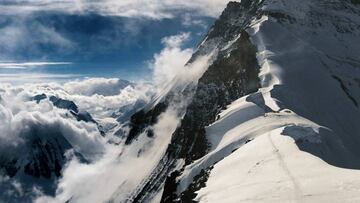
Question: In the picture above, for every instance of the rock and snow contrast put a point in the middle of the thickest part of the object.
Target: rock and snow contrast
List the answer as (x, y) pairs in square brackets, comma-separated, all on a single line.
[(266, 110)]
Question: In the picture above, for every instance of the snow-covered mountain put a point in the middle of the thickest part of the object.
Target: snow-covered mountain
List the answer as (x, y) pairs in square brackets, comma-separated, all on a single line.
[(274, 117), (267, 110)]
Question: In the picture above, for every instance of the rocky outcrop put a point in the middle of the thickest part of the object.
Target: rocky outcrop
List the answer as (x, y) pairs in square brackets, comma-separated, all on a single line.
[(232, 74), (72, 107), (227, 79)]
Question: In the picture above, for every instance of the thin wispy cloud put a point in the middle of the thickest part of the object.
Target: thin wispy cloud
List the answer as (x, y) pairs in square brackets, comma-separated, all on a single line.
[(22, 78), (24, 65)]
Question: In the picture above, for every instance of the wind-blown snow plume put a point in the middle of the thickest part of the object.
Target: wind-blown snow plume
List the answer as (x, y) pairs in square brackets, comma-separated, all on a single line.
[(170, 61), (117, 174)]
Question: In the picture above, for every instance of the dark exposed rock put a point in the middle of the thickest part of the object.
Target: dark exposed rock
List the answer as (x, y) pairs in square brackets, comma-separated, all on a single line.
[(230, 77), (233, 74), (234, 18), (64, 104), (199, 182), (83, 116), (41, 155), (346, 90), (8, 167), (281, 17), (141, 120), (39, 97), (356, 2), (170, 189), (38, 159), (72, 107), (225, 80), (125, 112)]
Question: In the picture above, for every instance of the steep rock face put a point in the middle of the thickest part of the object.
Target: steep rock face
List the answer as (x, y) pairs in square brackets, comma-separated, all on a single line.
[(227, 79), (38, 160), (308, 100), (233, 73), (46, 157), (141, 120), (307, 60)]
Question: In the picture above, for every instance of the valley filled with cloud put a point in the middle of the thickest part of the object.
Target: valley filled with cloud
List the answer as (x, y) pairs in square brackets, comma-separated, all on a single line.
[(28, 112)]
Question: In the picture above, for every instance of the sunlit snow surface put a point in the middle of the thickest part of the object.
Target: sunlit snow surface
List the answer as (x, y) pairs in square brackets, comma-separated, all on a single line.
[(298, 63), (272, 169)]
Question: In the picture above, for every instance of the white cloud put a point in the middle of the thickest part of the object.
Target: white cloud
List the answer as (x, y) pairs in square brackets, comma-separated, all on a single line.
[(99, 96), (130, 8), (117, 170), (108, 169), (19, 36), (171, 69), (18, 114), (171, 60), (188, 19), (175, 41), (99, 86), (123, 168), (102, 97), (120, 171)]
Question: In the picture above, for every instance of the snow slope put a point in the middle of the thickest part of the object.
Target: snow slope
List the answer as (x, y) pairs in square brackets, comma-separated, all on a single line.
[(297, 138), (272, 169)]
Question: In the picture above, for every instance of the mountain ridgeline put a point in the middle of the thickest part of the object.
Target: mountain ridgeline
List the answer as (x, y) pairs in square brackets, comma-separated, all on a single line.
[(273, 117), (239, 69), (232, 74)]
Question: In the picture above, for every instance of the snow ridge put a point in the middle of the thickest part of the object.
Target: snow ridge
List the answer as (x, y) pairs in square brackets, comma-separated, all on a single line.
[(303, 120)]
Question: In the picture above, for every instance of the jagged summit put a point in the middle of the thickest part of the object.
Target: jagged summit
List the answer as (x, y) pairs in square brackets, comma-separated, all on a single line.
[(233, 19)]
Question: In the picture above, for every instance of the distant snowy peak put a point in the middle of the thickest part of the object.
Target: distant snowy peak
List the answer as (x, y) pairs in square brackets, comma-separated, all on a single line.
[(68, 105)]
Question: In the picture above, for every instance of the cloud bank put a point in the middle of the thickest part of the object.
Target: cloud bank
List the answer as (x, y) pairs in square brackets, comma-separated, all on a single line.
[(115, 173), (127, 8), (18, 113), (99, 86)]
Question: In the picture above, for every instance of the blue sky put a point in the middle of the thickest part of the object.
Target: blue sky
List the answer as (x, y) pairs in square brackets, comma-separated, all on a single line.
[(103, 39)]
